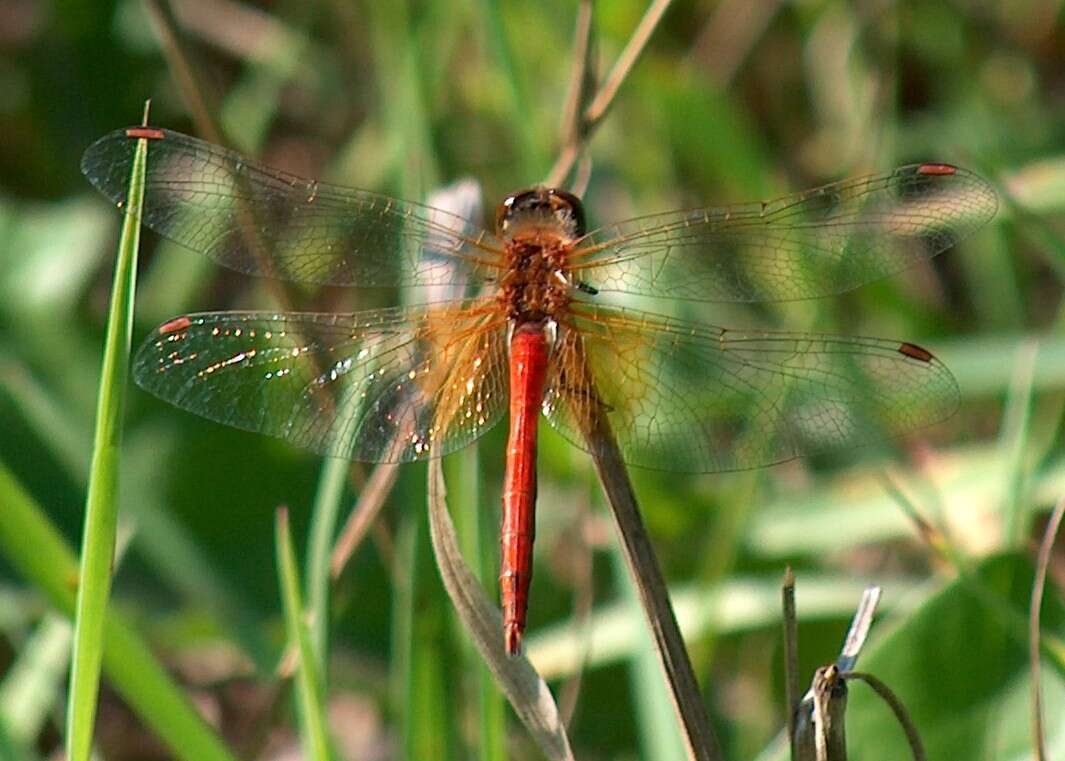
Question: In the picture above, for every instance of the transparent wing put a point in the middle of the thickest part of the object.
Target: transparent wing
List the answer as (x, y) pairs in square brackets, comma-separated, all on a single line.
[(389, 385), (263, 221), (819, 242), (687, 397)]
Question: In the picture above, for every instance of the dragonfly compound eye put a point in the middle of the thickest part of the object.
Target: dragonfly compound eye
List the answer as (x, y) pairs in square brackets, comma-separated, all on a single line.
[(544, 203)]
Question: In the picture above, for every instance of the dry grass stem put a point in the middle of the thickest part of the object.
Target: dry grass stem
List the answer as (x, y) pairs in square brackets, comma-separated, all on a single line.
[(698, 735), (483, 622), (859, 629), (1035, 609), (933, 536), (889, 697), (816, 728), (577, 132), (791, 654), (733, 30), (604, 99), (582, 75), (189, 80), (372, 498), (820, 720)]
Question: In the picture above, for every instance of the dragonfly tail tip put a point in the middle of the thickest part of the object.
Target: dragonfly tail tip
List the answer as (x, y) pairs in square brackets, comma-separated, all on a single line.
[(512, 640)]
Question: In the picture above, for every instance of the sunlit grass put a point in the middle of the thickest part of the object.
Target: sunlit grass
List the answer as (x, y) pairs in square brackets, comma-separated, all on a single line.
[(101, 505), (307, 665)]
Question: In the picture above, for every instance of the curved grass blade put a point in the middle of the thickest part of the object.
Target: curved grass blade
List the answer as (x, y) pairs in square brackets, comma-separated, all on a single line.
[(312, 712), (101, 509), (526, 691), (1035, 608)]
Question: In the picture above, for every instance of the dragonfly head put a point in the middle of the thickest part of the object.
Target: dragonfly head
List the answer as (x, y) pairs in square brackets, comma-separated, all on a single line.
[(541, 206)]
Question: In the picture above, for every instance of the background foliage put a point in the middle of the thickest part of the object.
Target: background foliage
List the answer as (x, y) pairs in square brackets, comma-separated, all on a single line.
[(732, 101)]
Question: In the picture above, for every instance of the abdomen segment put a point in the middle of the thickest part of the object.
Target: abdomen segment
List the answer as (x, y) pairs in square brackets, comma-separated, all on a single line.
[(528, 367)]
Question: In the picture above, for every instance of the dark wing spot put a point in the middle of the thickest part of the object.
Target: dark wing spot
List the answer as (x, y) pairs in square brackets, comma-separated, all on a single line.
[(936, 169), (173, 326), (915, 352), (145, 133)]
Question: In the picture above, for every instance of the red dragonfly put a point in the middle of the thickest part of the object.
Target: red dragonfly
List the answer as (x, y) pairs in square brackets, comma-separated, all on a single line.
[(544, 330)]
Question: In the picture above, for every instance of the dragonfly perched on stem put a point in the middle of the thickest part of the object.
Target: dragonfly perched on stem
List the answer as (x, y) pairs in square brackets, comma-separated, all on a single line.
[(544, 333)]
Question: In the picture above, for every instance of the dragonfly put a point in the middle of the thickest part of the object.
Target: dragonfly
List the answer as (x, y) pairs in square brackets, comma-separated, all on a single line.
[(542, 321)]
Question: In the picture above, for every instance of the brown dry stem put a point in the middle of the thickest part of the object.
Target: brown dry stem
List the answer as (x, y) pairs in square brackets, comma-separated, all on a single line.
[(372, 498), (889, 697), (1035, 609), (578, 131), (698, 735), (791, 654), (519, 681)]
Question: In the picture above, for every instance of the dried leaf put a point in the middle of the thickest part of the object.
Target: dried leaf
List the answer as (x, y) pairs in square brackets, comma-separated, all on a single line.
[(526, 691)]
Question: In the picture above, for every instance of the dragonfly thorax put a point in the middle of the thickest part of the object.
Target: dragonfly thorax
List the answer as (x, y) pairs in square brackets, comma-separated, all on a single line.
[(536, 286), (539, 228)]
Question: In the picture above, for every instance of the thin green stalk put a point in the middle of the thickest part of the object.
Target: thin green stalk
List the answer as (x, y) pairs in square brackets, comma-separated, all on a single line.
[(324, 515), (101, 510), (476, 540), (312, 710), (427, 691), (35, 550), (1035, 608), (1015, 433)]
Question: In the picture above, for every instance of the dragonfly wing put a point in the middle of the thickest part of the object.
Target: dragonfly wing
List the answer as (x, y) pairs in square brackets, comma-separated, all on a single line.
[(823, 241), (389, 385), (264, 221), (688, 397)]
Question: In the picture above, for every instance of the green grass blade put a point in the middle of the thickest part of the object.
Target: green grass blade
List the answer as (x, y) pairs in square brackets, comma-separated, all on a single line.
[(101, 509), (427, 679), (1014, 436), (312, 711), (324, 515), (478, 539), (34, 548)]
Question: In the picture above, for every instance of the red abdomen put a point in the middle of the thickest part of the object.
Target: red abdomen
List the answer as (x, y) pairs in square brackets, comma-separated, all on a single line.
[(528, 367)]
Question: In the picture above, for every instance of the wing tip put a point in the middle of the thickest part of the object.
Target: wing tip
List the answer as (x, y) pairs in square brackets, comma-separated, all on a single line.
[(985, 197)]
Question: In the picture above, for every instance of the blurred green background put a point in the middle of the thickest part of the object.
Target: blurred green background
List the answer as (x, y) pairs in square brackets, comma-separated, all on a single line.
[(732, 101)]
